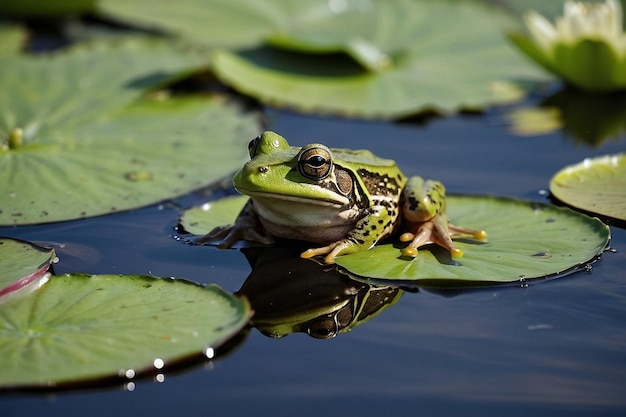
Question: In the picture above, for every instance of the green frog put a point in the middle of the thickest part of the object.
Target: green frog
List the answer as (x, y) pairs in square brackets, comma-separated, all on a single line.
[(343, 200)]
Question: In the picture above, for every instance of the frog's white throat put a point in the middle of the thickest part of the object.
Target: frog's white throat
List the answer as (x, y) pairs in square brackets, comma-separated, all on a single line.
[(304, 219)]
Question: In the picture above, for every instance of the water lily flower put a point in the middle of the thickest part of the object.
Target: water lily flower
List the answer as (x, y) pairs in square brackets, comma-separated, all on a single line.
[(586, 47)]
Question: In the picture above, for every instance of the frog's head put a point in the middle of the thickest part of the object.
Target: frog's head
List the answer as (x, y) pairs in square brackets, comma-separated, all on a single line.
[(308, 175)]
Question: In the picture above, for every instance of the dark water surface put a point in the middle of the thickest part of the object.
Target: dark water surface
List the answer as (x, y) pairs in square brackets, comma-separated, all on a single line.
[(553, 348)]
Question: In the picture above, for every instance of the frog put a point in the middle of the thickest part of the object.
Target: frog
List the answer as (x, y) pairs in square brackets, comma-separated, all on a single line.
[(343, 200)]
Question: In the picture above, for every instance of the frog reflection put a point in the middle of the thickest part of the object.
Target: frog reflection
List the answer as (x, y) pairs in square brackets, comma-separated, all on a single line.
[(289, 295)]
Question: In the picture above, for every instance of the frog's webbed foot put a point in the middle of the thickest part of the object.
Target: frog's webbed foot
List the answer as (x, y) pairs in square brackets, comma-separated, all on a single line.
[(437, 231), (247, 227)]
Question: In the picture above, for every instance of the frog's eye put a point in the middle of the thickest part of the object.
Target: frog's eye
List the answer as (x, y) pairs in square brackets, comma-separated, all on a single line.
[(323, 327), (315, 162), (253, 145)]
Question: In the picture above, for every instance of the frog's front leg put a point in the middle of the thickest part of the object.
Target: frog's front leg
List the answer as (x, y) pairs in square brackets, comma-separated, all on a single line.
[(366, 232), (424, 210), (247, 227)]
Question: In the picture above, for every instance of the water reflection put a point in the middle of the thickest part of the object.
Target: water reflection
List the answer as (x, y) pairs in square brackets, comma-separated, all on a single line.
[(293, 295), (589, 118), (583, 117)]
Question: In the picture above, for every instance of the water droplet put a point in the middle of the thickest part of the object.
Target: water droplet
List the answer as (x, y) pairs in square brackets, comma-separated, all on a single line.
[(588, 267), (209, 352), (127, 373), (159, 378), (158, 363), (130, 386)]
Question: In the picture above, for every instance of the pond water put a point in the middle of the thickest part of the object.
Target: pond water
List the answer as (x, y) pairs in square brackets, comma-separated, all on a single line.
[(552, 348)]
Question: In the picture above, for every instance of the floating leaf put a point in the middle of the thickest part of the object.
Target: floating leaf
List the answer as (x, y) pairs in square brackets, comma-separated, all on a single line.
[(526, 241), (78, 142), (22, 263), (407, 56), (227, 23), (597, 185), (202, 219), (81, 327)]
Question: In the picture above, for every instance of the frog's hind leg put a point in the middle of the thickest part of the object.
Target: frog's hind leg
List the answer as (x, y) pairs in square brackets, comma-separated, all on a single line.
[(331, 251)]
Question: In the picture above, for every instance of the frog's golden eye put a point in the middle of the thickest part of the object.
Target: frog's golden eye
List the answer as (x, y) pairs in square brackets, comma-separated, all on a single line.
[(315, 162)]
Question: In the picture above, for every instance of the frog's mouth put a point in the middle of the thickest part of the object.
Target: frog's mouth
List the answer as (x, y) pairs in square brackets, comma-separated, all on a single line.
[(337, 203)]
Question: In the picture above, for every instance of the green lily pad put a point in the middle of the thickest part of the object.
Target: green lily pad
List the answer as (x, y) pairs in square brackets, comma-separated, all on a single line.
[(202, 219), (597, 185), (21, 264), (82, 327), (407, 56), (423, 66), (227, 23), (80, 139), (526, 241)]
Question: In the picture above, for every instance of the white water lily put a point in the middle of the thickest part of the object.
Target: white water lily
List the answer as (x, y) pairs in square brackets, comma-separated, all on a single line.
[(586, 46)]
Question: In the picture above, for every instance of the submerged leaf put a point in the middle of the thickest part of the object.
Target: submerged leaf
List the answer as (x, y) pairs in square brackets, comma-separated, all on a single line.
[(81, 327), (597, 185), (80, 143)]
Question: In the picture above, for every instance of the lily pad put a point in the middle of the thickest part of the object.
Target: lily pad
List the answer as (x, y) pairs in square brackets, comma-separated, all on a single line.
[(82, 327), (526, 241), (202, 219), (81, 139), (597, 185), (21, 264), (407, 56), (428, 68), (226, 23)]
